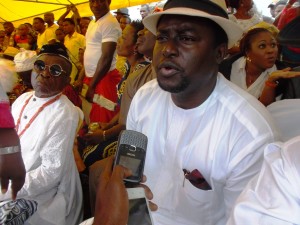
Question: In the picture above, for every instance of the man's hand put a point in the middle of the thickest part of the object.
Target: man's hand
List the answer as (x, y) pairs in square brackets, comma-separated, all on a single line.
[(90, 94), (12, 168), (149, 195), (96, 137), (112, 199), (77, 85)]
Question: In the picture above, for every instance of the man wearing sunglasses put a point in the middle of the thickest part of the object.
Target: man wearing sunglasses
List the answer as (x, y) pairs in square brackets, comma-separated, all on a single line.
[(46, 122)]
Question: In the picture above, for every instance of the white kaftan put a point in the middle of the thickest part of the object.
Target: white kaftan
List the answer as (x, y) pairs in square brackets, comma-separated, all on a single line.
[(223, 138), (51, 175)]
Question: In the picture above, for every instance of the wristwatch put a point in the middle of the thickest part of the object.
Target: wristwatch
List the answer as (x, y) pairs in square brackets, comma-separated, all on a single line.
[(9, 150)]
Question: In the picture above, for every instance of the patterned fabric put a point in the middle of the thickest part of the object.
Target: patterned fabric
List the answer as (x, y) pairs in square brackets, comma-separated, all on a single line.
[(94, 153), (17, 212)]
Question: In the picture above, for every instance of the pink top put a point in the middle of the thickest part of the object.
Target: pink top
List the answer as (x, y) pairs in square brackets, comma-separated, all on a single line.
[(6, 119)]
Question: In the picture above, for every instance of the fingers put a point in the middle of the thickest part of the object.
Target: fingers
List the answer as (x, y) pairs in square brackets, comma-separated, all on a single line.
[(4, 184), (148, 192), (144, 179), (121, 172), (16, 185), (152, 206), (109, 166)]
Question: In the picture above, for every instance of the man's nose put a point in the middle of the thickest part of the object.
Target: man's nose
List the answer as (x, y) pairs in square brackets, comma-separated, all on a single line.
[(170, 48)]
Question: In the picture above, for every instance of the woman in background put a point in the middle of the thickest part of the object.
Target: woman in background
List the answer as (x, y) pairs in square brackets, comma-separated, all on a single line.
[(255, 69)]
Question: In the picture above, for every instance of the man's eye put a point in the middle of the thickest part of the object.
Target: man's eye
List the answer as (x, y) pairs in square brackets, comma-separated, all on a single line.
[(161, 38), (187, 39)]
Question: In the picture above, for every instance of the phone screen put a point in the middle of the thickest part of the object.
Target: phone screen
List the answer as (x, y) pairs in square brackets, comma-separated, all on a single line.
[(131, 163), (138, 212)]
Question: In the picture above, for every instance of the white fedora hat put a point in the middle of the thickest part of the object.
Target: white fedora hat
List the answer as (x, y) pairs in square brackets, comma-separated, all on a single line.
[(214, 10)]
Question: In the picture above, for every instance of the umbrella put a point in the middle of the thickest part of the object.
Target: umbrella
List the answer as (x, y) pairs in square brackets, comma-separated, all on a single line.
[(21, 11)]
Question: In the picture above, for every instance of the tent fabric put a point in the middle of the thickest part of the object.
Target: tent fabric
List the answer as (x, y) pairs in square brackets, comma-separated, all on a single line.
[(21, 11)]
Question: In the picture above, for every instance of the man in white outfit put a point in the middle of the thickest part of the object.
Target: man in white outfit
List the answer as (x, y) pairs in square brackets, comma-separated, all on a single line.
[(205, 135), (46, 122)]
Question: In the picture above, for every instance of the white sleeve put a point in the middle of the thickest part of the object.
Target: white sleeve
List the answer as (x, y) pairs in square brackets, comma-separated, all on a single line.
[(271, 197), (55, 158)]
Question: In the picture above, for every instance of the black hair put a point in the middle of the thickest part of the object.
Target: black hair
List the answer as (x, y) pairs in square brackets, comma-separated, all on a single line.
[(245, 42), (69, 20), (55, 48), (137, 25), (40, 19), (8, 23), (86, 18)]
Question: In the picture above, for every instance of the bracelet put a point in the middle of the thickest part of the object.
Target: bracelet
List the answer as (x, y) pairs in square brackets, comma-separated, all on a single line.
[(104, 136), (271, 84), (9, 150)]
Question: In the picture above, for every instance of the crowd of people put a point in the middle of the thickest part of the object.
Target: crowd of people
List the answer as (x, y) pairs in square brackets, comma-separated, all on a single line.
[(203, 80)]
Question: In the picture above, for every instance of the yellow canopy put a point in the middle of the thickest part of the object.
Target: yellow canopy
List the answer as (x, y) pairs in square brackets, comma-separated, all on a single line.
[(21, 11)]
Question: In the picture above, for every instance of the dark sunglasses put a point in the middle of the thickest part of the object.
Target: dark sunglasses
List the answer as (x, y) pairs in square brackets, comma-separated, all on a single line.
[(54, 69)]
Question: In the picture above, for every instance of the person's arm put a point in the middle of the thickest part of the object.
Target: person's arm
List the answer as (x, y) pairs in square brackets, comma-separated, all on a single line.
[(269, 92), (11, 165), (112, 204), (76, 17), (112, 199), (55, 152), (100, 135), (64, 15), (103, 65)]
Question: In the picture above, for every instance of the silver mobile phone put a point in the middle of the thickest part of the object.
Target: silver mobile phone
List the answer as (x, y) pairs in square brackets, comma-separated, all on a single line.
[(131, 153), (139, 213)]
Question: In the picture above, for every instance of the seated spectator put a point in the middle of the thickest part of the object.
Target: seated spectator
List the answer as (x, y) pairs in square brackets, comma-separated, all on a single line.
[(121, 12), (135, 80), (32, 41), (124, 20), (24, 64), (60, 35), (2, 36), (12, 168), (272, 197), (46, 122), (83, 24), (107, 133), (10, 33), (245, 16), (21, 38), (254, 70)]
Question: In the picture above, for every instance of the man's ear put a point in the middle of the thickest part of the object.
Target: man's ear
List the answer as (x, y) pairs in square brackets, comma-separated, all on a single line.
[(221, 52)]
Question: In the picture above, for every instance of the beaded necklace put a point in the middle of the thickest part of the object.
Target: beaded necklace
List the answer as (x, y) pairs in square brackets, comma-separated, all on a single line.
[(35, 115)]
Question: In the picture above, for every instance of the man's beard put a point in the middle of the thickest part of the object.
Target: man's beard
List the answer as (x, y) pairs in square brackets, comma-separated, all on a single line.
[(182, 85)]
